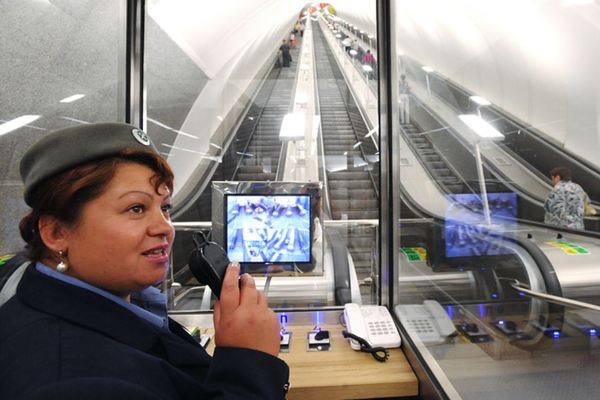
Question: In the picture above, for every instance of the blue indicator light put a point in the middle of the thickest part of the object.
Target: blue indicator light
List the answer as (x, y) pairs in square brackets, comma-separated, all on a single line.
[(494, 295), (481, 311), (593, 332), (556, 334), (283, 319), (501, 322), (317, 319), (450, 311), (521, 294)]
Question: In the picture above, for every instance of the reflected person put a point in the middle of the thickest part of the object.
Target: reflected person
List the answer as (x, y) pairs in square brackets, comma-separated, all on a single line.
[(564, 206)]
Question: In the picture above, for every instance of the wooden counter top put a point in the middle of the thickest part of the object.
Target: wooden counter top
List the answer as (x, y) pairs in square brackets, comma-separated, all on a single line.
[(342, 373)]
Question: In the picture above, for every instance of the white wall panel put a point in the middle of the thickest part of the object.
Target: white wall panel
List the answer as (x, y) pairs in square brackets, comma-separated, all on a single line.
[(536, 59)]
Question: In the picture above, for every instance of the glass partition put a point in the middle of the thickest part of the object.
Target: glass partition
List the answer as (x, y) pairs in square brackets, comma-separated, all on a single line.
[(497, 302), (62, 65), (278, 106)]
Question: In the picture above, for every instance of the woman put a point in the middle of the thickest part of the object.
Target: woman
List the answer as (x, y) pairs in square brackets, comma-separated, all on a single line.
[(100, 234)]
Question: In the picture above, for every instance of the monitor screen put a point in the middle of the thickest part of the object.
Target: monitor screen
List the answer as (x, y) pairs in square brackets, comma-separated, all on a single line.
[(466, 233), (267, 229)]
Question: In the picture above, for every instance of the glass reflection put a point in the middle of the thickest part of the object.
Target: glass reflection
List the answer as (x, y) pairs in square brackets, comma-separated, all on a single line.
[(495, 282)]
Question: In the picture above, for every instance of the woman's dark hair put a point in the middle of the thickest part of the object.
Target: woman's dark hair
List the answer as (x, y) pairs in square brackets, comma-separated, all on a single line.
[(64, 195), (563, 172)]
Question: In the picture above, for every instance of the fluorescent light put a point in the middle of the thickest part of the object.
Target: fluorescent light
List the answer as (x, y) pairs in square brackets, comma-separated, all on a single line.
[(292, 127), (17, 123), (355, 145), (367, 68), (362, 31), (353, 52), (482, 128), (73, 98), (427, 68), (215, 145), (339, 36), (371, 36), (482, 101)]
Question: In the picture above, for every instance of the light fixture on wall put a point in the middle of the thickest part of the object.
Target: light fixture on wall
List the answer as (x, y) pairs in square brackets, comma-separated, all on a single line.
[(427, 70), (481, 102), (371, 37), (73, 98), (17, 123)]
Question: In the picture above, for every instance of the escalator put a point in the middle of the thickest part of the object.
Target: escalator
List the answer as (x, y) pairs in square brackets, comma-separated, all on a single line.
[(351, 163), (522, 142), (260, 158), (252, 154), (435, 163)]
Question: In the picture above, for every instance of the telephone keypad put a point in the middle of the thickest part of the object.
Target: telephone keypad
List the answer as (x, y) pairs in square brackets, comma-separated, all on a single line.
[(421, 325), (380, 327)]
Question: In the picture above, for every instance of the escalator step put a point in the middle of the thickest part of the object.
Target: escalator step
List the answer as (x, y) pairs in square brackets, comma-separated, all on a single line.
[(355, 214), (352, 204), (255, 177)]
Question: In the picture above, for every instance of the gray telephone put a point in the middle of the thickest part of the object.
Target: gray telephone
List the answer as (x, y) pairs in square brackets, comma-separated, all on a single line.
[(429, 321)]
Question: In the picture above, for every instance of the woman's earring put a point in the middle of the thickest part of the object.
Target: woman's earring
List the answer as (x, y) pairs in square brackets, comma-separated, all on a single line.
[(62, 266)]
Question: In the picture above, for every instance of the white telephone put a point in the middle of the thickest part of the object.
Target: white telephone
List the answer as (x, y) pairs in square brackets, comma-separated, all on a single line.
[(429, 321), (372, 323)]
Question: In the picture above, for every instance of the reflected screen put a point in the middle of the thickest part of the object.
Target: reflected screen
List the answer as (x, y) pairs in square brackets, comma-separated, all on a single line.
[(268, 228), (466, 233)]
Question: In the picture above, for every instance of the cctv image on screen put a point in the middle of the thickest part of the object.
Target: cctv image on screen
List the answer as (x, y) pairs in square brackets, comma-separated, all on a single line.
[(465, 229), (268, 228)]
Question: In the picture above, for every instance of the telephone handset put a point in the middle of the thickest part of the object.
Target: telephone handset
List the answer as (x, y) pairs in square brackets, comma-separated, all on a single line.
[(208, 262), (372, 323), (429, 321)]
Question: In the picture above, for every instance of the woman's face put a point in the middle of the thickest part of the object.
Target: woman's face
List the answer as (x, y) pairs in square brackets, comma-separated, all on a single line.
[(123, 238)]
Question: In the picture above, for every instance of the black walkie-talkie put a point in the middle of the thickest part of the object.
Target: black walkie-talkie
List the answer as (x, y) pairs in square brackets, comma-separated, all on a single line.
[(208, 262)]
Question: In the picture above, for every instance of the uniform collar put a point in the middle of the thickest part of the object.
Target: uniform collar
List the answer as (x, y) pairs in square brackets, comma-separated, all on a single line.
[(95, 312)]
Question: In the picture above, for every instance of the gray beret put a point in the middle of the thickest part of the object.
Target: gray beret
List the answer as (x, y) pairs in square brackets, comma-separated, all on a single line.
[(66, 148)]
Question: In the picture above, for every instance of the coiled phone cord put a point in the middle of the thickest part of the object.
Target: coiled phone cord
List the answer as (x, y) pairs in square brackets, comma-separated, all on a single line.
[(378, 353)]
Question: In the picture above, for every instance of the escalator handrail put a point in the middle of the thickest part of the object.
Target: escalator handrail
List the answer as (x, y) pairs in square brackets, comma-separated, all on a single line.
[(341, 272), (563, 301)]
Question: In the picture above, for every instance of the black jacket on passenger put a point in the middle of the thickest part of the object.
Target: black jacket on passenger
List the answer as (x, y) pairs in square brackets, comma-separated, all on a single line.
[(59, 341)]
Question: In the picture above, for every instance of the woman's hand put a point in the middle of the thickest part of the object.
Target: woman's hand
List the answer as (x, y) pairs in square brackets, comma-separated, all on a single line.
[(241, 316)]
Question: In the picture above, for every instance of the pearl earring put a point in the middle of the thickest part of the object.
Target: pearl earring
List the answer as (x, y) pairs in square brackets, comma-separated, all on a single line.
[(62, 266)]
